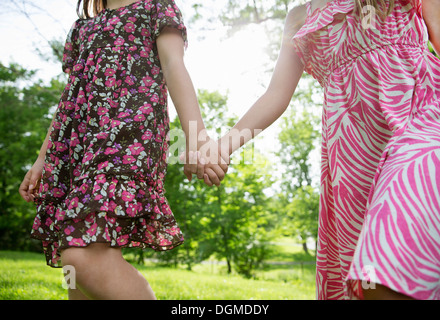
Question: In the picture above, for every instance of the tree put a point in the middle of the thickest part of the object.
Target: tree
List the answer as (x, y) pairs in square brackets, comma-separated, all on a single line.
[(24, 121), (299, 137)]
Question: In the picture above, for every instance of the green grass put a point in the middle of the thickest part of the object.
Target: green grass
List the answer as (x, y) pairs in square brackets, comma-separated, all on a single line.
[(25, 276)]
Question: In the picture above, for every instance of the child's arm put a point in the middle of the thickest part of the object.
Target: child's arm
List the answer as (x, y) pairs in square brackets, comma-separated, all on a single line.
[(31, 182), (431, 15), (276, 99), (170, 46)]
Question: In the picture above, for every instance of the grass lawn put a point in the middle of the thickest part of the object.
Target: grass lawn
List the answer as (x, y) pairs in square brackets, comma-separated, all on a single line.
[(25, 276)]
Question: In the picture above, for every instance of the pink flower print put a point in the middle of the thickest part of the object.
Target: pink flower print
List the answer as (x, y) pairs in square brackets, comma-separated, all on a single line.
[(102, 135), (122, 240), (69, 230), (155, 70), (77, 242), (83, 188), (111, 151), (49, 222), (129, 27), (132, 210), (124, 92), (127, 196), (98, 197), (146, 108), (151, 228), (60, 214), (92, 230), (81, 97), (106, 234), (136, 148), (112, 103), (112, 206), (104, 121), (88, 156), (129, 80), (114, 20), (78, 67), (100, 178), (110, 220), (115, 123), (111, 190), (60, 146), (148, 81), (144, 53), (142, 89), (109, 72), (74, 141), (123, 114), (76, 172), (119, 42), (37, 224), (102, 165), (82, 127), (155, 98), (170, 12), (110, 83), (102, 111), (57, 193), (132, 19), (147, 135), (139, 118), (131, 184), (69, 105), (127, 159), (104, 206), (73, 203)]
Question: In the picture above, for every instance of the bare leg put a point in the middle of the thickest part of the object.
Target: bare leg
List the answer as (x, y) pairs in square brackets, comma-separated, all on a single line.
[(102, 273), (383, 293)]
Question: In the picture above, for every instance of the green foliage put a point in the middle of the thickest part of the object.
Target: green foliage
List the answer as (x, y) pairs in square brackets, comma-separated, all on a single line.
[(230, 222), (25, 276), (24, 109)]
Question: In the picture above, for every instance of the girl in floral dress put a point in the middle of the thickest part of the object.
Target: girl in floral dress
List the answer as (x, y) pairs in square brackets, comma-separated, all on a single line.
[(101, 169), (379, 220)]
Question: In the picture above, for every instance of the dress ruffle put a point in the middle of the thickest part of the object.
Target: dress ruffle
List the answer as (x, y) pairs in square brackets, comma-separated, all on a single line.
[(120, 210), (317, 20)]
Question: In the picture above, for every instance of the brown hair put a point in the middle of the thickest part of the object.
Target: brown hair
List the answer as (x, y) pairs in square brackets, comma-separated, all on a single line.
[(379, 6), (95, 5)]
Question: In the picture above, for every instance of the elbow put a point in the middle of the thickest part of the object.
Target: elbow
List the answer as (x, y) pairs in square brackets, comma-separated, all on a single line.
[(278, 101)]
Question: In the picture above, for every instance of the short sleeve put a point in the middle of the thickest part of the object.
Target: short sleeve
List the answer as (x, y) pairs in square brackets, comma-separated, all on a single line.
[(165, 13), (71, 48)]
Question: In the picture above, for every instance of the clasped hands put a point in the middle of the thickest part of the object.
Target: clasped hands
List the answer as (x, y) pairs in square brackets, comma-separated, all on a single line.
[(209, 163)]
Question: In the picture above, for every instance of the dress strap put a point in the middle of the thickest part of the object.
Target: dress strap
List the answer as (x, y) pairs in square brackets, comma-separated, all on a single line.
[(309, 8)]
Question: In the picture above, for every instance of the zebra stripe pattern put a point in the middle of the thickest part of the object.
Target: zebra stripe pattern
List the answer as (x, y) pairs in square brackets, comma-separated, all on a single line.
[(379, 217)]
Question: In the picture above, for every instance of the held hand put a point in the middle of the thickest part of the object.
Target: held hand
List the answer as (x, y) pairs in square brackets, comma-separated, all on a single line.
[(207, 164), (31, 182)]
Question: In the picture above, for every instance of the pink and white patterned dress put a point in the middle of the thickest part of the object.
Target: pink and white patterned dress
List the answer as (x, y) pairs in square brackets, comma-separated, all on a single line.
[(380, 184)]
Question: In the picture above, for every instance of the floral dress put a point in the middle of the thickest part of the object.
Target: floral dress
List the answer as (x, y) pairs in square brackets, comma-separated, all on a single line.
[(106, 158)]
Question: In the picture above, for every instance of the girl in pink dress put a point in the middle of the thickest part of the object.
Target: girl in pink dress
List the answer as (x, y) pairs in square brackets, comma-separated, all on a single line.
[(379, 222)]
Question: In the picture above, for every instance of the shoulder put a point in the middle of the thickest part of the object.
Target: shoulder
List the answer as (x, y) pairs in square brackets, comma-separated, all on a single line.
[(295, 19)]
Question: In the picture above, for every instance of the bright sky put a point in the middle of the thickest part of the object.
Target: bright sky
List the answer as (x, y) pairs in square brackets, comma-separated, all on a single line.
[(233, 66)]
